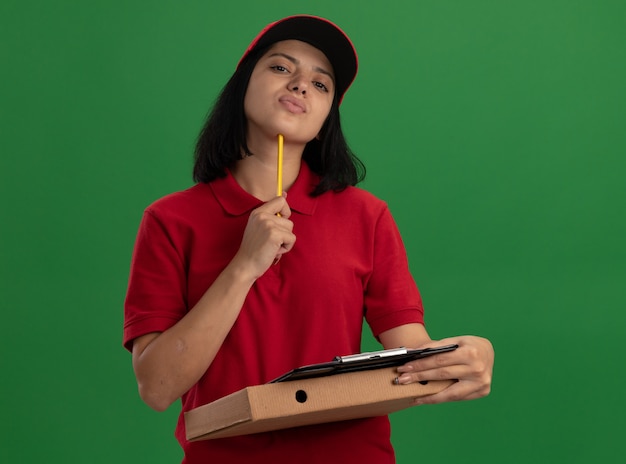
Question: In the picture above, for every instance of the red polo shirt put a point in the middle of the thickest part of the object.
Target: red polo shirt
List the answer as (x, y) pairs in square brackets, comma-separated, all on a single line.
[(348, 263)]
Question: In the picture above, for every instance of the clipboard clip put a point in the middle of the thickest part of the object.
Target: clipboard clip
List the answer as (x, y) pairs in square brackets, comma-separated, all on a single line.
[(371, 355)]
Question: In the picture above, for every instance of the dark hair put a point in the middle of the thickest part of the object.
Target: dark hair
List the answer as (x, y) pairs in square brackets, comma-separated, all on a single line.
[(222, 140)]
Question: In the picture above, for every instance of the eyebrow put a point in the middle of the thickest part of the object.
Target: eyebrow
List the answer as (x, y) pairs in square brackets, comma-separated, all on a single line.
[(297, 61)]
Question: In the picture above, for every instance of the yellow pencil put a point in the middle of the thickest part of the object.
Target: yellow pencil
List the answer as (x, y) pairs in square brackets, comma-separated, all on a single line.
[(279, 180), (279, 170)]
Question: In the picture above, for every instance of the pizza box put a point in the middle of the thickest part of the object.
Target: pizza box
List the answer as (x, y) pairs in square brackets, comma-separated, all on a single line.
[(274, 406)]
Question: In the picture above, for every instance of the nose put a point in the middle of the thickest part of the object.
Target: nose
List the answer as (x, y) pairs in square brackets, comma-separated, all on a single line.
[(298, 85)]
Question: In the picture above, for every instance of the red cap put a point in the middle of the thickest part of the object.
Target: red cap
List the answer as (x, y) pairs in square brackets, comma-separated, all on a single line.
[(323, 35)]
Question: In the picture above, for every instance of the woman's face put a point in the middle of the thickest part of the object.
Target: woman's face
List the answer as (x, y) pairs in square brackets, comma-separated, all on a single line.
[(290, 92)]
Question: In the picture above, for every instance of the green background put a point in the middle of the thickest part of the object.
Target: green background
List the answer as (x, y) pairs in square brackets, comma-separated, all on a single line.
[(494, 129)]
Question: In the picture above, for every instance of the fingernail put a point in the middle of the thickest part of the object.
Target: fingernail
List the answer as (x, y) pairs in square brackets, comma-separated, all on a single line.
[(404, 379), (407, 368)]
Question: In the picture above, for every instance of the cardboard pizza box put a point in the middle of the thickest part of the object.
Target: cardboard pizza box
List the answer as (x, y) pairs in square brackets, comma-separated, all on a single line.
[(275, 406)]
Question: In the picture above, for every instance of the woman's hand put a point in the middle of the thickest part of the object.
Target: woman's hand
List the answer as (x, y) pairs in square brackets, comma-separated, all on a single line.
[(268, 235), (471, 364)]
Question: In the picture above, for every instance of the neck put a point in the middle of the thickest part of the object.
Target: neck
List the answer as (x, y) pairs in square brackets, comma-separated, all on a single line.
[(257, 174)]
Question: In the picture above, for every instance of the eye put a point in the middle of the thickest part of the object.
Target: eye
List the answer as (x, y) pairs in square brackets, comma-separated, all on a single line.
[(321, 86), (279, 68)]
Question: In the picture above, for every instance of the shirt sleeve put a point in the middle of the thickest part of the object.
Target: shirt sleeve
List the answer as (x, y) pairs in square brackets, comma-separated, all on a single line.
[(155, 299), (392, 298)]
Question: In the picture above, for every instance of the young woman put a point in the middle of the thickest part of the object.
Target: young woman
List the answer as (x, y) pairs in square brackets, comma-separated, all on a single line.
[(232, 285)]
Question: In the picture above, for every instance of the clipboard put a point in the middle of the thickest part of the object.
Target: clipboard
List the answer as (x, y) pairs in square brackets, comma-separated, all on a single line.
[(361, 362)]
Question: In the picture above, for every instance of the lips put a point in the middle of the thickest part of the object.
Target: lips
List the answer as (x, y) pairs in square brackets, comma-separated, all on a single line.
[(292, 104)]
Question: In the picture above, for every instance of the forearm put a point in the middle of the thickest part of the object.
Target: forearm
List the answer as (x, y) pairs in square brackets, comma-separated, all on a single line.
[(170, 363), (409, 336)]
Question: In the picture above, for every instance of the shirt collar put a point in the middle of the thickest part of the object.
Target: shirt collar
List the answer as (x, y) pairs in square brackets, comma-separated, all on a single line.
[(237, 201)]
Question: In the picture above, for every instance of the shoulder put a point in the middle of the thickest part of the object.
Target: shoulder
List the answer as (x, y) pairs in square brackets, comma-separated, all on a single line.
[(361, 195), (355, 208), (357, 200), (183, 203)]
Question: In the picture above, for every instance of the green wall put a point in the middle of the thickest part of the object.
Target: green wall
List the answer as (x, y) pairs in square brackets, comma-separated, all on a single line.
[(494, 129)]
